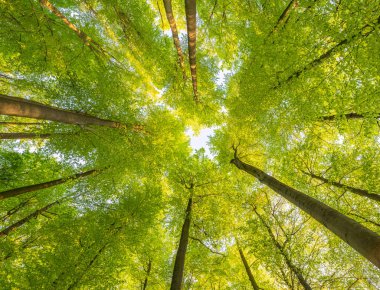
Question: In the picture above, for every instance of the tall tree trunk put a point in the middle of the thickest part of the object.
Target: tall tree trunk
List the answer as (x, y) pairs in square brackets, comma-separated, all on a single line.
[(191, 21), (284, 15), (113, 232), (173, 27), (11, 136), (348, 116), (21, 123), (88, 41), (147, 274), (367, 220), (13, 106), (21, 190), (363, 240), (363, 32), (295, 270), (18, 136), (92, 261), (11, 228), (179, 263), (248, 269), (355, 190), (15, 209)]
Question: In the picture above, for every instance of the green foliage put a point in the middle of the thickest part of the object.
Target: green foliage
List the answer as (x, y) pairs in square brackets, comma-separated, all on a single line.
[(278, 85)]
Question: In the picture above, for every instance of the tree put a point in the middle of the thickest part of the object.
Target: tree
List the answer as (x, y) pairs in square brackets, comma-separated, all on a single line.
[(30, 188), (360, 238), (191, 21), (247, 269), (179, 263), (355, 190), (98, 84), (281, 249), (173, 27), (13, 106)]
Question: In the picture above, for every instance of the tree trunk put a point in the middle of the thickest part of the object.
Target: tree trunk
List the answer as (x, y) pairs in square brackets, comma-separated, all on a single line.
[(147, 274), (363, 32), (367, 220), (355, 190), (173, 27), (88, 41), (363, 240), (13, 106), (15, 209), (179, 263), (12, 136), (113, 232), (348, 116), (21, 190), (283, 17), (92, 261), (191, 21), (248, 270), (21, 124), (21, 222), (281, 249), (19, 136)]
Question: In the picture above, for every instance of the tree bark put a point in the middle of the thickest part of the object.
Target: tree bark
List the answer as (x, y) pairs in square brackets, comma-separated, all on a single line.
[(89, 265), (173, 27), (147, 274), (363, 32), (22, 124), (13, 106), (284, 15), (348, 116), (21, 222), (10, 136), (191, 21), (365, 219), (179, 263), (21, 190), (297, 272), (363, 240), (88, 41), (248, 269), (355, 190), (19, 136), (15, 209)]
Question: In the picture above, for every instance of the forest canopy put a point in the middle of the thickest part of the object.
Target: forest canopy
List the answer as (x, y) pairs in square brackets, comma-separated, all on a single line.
[(103, 187)]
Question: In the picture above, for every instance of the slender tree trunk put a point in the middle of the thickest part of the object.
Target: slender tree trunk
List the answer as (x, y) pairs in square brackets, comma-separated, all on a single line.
[(113, 232), (92, 261), (284, 15), (15, 209), (355, 190), (248, 269), (364, 32), (348, 116), (13, 106), (21, 190), (179, 263), (19, 136), (147, 274), (365, 219), (173, 27), (88, 41), (288, 261), (21, 124), (11, 228), (10, 136), (363, 240), (191, 20)]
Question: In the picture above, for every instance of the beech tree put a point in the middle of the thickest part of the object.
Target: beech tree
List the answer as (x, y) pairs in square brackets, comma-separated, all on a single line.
[(115, 167)]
